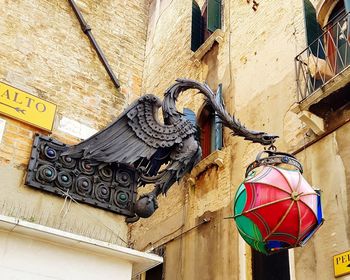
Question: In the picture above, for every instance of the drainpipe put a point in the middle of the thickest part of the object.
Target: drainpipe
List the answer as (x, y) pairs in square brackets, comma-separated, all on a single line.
[(87, 30)]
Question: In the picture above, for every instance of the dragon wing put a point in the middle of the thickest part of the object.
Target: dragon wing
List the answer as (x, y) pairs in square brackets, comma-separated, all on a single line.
[(135, 135)]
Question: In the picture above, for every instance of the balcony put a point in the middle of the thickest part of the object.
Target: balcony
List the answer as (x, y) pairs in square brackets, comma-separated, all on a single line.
[(322, 70)]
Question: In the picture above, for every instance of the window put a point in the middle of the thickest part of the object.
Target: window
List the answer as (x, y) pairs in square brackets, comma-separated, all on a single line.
[(333, 45), (210, 128), (273, 267), (155, 273), (328, 51), (319, 65), (204, 21)]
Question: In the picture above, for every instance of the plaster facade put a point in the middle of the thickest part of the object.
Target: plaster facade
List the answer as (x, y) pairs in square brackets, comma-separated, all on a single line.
[(255, 64)]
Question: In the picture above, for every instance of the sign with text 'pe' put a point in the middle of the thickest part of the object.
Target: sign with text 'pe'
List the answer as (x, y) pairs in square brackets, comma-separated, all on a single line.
[(341, 264), (26, 107)]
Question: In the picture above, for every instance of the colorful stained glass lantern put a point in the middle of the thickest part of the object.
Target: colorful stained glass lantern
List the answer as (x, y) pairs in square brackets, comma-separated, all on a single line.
[(275, 208)]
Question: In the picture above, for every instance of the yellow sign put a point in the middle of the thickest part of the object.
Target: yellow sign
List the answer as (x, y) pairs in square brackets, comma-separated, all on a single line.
[(26, 107), (341, 264)]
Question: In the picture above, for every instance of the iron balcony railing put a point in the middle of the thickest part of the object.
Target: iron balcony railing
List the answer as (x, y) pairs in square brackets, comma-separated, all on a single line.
[(324, 58)]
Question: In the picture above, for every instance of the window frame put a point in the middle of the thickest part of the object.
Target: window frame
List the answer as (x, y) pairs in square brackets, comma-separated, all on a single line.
[(205, 21), (211, 130)]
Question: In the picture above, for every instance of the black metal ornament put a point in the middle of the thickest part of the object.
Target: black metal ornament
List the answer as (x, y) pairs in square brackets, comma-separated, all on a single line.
[(273, 157), (111, 187), (106, 169)]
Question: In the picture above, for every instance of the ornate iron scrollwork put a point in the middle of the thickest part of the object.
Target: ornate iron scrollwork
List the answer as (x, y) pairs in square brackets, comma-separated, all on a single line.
[(108, 186)]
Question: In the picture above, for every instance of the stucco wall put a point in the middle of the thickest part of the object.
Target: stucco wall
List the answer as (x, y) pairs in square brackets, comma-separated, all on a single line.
[(326, 165), (44, 52), (255, 63)]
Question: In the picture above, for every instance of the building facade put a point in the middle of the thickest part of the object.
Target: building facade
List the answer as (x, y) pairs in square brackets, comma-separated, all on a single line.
[(260, 51), (47, 59), (280, 67)]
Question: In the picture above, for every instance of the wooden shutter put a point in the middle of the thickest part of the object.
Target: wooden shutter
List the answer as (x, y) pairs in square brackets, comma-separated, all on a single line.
[(214, 15), (217, 125), (313, 30), (196, 34)]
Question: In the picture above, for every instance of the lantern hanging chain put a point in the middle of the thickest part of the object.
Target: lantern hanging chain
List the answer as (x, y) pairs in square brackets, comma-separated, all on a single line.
[(272, 148)]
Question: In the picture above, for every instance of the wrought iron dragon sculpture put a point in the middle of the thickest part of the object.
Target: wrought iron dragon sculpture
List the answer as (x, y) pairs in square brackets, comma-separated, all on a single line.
[(106, 169)]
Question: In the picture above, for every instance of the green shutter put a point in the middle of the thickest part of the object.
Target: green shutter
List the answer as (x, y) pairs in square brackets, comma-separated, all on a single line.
[(313, 30), (196, 35), (190, 115), (216, 133), (212, 134), (214, 15)]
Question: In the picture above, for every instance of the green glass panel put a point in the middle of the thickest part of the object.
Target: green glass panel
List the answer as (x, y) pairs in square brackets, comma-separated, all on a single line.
[(241, 188), (250, 233), (248, 227), (257, 245), (240, 200)]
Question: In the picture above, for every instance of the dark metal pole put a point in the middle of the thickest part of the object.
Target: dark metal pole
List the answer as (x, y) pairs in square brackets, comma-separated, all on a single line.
[(87, 30)]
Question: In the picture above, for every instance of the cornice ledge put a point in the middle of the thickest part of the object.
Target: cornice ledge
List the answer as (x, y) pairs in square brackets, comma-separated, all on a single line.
[(215, 158), (216, 36)]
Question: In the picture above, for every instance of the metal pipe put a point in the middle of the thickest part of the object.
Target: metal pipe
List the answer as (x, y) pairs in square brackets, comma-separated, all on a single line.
[(204, 221), (87, 30)]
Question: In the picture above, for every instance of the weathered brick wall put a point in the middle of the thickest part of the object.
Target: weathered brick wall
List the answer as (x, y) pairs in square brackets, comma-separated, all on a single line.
[(43, 51)]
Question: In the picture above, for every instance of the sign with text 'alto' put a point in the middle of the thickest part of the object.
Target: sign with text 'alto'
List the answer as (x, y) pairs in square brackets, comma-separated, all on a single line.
[(26, 107)]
